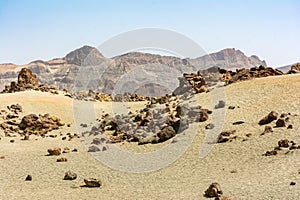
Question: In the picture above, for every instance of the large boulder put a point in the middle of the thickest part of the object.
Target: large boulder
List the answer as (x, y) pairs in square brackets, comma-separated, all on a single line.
[(27, 78)]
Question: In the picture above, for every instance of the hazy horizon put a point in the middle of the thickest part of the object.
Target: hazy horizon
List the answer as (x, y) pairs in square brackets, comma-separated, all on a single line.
[(43, 30)]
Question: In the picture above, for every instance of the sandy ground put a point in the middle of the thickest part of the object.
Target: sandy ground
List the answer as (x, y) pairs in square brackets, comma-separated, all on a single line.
[(237, 166)]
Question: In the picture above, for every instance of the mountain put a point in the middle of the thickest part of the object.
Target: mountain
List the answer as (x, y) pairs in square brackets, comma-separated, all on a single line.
[(228, 59), (86, 68)]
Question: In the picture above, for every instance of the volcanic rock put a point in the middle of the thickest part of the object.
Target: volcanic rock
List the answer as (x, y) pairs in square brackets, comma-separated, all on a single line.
[(69, 175), (269, 118), (92, 182), (54, 152), (214, 190)]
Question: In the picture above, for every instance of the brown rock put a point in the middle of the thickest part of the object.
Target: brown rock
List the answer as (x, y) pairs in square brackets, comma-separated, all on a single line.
[(62, 159), (26, 77), (283, 143), (270, 153), (92, 182), (268, 129), (28, 178), (214, 190), (54, 152), (166, 133), (269, 118), (69, 175), (281, 123)]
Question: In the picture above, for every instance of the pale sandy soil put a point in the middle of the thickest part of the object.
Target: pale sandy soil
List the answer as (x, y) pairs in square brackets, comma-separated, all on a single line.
[(255, 177)]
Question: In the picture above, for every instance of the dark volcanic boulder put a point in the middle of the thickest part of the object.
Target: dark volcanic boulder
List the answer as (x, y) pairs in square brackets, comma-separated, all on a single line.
[(269, 118)]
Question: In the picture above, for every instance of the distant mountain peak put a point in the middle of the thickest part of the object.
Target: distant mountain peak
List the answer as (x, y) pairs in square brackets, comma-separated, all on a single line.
[(83, 56)]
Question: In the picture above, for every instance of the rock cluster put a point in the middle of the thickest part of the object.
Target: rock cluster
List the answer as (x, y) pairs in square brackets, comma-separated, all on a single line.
[(28, 80), (245, 74), (227, 136), (283, 144), (40, 124), (294, 69), (160, 120), (281, 121), (191, 83)]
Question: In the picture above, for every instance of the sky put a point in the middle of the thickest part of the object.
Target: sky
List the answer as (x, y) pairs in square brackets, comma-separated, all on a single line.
[(42, 30)]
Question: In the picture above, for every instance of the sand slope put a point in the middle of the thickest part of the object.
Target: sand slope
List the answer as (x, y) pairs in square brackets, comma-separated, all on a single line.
[(238, 166)]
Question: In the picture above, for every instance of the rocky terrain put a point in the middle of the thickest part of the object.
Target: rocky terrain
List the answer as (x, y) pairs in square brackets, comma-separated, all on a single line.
[(110, 75)]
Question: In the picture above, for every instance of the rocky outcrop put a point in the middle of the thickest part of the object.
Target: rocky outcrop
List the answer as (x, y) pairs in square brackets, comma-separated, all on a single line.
[(246, 74), (41, 124), (294, 69), (70, 71)]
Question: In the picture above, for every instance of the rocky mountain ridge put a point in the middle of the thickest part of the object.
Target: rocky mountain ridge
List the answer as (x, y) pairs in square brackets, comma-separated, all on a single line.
[(86, 68)]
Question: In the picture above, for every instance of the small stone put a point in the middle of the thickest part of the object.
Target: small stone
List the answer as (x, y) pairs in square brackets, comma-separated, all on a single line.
[(92, 182), (238, 123), (74, 150), (290, 126), (221, 104), (293, 183), (64, 138), (11, 141), (28, 178), (231, 107), (54, 152), (69, 175), (268, 129), (62, 159), (209, 126)]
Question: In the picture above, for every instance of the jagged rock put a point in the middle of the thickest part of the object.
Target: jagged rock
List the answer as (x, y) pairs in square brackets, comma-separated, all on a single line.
[(26, 77), (281, 123), (283, 143), (26, 137), (290, 126), (69, 175), (214, 190), (92, 182), (269, 118), (28, 178), (54, 152)]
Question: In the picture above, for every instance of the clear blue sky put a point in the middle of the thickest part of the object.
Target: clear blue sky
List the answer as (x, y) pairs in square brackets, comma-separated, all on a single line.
[(34, 29)]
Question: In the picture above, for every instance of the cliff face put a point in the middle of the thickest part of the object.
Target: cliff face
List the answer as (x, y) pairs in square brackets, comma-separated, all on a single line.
[(86, 68)]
